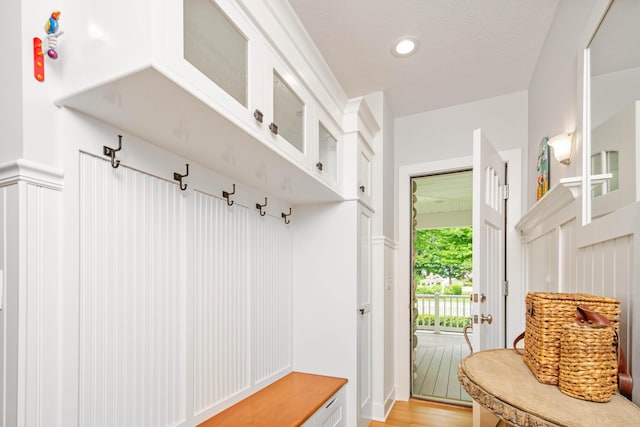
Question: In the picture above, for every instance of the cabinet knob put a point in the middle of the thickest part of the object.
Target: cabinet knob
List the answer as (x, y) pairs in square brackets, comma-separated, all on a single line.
[(362, 188), (273, 128), (258, 116), (319, 165)]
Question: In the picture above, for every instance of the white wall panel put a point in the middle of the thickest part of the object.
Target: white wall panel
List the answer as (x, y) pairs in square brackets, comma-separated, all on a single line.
[(271, 288), (389, 383), (30, 219), (607, 269), (132, 298), (221, 315), (541, 262)]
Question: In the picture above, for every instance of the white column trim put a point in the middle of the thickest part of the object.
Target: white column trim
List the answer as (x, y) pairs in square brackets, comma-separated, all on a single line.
[(384, 240)]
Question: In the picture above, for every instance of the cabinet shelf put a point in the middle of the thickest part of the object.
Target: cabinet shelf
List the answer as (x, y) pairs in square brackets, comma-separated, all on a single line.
[(155, 104)]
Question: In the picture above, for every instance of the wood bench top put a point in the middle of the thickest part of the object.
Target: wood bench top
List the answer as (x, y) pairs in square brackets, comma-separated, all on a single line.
[(289, 401)]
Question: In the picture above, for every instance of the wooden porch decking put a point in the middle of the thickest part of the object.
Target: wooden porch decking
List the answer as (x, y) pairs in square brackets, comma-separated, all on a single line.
[(437, 359)]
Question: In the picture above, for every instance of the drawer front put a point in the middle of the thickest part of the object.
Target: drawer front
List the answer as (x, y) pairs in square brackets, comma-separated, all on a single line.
[(331, 414)]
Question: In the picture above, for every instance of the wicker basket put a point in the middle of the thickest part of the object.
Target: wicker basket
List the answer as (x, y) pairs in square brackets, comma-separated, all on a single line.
[(547, 313), (588, 362)]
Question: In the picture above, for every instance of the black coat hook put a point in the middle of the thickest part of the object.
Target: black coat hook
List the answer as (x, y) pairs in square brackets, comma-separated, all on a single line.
[(111, 152), (226, 195), (178, 177), (259, 207), (285, 215)]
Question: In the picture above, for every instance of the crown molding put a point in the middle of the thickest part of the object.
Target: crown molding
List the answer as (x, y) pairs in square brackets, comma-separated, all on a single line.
[(22, 170)]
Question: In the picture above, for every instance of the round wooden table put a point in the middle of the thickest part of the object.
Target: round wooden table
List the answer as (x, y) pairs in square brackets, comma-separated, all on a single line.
[(500, 381)]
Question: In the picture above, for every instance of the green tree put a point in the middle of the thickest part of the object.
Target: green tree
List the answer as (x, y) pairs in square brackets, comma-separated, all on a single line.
[(444, 251)]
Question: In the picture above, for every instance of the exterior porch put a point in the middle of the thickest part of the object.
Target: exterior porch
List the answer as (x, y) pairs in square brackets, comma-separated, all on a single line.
[(437, 359), (441, 346)]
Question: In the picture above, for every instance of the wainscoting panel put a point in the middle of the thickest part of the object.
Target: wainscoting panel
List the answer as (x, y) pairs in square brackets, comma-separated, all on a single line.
[(542, 261), (132, 298), (598, 259), (271, 288), (606, 269), (566, 258), (221, 301)]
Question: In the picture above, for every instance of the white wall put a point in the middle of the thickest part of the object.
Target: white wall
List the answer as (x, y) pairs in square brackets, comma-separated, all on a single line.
[(27, 109), (11, 86), (447, 133)]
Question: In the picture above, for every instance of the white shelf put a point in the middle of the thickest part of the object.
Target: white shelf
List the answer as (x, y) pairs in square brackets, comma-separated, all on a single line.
[(155, 105)]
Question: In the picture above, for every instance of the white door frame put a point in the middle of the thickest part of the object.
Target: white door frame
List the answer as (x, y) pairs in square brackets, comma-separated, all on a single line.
[(515, 302)]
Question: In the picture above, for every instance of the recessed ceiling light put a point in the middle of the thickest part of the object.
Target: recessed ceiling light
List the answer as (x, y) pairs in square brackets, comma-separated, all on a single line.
[(405, 46)]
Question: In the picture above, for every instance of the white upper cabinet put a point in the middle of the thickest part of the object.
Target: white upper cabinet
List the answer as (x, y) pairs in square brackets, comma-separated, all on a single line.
[(203, 79)]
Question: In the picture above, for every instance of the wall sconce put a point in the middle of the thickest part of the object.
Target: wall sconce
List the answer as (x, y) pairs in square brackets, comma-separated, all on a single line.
[(562, 145)]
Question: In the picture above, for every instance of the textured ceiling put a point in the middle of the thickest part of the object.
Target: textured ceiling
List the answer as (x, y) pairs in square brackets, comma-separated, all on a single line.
[(469, 49), (449, 192)]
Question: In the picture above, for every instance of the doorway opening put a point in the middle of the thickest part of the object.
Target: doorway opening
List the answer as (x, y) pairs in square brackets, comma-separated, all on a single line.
[(441, 283)]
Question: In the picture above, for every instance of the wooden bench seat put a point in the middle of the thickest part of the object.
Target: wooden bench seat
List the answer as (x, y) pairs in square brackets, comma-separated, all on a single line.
[(289, 401)]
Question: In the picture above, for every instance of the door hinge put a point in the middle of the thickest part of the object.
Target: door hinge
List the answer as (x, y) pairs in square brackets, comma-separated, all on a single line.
[(505, 191), (506, 288)]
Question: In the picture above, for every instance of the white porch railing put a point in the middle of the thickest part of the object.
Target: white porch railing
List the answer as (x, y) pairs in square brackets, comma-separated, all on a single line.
[(448, 313)]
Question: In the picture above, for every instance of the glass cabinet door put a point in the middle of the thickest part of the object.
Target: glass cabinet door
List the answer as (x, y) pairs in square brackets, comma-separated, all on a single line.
[(288, 114), (365, 158), (327, 153), (216, 47)]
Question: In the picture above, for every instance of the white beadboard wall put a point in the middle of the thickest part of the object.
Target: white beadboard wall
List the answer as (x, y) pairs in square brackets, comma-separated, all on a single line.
[(601, 258), (221, 295), (271, 261), (607, 269), (132, 298), (185, 303)]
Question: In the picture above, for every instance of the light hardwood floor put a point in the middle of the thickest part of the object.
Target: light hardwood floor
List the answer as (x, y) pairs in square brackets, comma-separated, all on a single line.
[(419, 413)]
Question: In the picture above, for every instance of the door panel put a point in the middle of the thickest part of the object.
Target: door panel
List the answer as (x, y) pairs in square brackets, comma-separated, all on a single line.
[(488, 245), (364, 316)]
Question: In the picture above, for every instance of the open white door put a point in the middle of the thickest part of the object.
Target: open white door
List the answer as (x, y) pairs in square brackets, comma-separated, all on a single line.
[(488, 307)]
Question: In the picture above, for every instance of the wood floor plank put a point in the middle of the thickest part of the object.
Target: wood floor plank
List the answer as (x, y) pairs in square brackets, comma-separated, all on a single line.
[(454, 387), (416, 413), (423, 367), (429, 384), (442, 376)]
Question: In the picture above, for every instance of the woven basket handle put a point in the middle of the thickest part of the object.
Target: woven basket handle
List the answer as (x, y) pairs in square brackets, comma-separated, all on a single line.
[(625, 382), (516, 341)]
